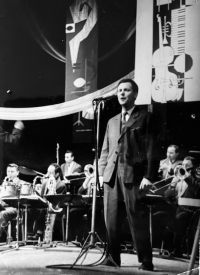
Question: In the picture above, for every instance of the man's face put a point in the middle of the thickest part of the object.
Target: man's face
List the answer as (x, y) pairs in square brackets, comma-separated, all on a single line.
[(187, 164), (51, 172), (126, 95), (171, 153), (68, 158), (12, 172)]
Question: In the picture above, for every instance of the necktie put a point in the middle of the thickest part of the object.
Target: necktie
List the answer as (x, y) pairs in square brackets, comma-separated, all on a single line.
[(123, 120)]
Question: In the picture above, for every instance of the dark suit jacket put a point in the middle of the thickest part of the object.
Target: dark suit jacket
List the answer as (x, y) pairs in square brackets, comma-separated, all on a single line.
[(76, 168), (60, 187), (133, 148)]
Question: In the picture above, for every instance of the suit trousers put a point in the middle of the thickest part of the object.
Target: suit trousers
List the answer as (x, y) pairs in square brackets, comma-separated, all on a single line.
[(138, 218)]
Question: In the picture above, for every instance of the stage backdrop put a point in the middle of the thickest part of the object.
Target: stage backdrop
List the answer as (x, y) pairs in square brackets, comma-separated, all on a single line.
[(167, 66), (81, 59)]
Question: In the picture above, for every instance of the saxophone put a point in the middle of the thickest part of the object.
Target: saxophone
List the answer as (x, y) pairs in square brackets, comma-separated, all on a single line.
[(50, 189)]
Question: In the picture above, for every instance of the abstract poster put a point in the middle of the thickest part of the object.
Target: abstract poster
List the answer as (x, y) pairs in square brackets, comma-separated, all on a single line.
[(175, 57), (81, 49)]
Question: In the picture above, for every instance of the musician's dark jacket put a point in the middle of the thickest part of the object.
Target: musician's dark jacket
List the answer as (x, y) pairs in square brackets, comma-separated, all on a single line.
[(177, 217), (60, 187), (188, 188), (76, 168), (134, 148)]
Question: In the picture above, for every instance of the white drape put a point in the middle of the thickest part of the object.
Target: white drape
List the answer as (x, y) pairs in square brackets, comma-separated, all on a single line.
[(58, 110)]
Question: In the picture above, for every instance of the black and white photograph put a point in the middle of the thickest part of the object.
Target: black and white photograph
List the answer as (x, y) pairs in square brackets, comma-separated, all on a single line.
[(99, 137)]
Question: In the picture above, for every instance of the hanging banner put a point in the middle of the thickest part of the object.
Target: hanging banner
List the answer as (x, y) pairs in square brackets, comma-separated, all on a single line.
[(171, 72), (81, 49), (143, 51), (81, 58)]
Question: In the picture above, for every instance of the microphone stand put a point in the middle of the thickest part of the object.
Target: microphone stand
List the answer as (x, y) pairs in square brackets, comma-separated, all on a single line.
[(18, 216), (57, 153), (93, 236)]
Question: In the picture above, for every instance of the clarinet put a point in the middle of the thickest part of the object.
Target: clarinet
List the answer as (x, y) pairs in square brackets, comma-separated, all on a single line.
[(50, 189)]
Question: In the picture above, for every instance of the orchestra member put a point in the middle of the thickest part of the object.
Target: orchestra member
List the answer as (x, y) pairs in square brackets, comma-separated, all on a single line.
[(167, 165), (127, 167), (54, 170), (9, 213), (6, 137), (188, 187), (176, 217), (70, 167)]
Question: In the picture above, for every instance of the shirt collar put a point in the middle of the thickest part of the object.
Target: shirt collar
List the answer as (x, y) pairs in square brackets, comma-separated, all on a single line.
[(70, 165), (16, 180), (129, 111)]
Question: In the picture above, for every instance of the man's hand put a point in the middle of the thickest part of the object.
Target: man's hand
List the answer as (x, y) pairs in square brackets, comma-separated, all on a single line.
[(86, 183), (19, 125), (145, 183), (66, 180)]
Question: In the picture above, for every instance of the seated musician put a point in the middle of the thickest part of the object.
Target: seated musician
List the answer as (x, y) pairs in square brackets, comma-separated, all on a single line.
[(177, 218), (8, 213), (167, 165), (54, 170), (70, 167)]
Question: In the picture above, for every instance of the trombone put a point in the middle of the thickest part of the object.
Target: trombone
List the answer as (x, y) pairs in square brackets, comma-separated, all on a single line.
[(89, 171), (180, 172)]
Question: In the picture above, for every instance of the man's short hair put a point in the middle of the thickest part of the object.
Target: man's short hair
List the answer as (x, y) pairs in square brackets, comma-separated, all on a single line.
[(70, 152), (13, 165), (175, 147), (129, 80), (193, 161)]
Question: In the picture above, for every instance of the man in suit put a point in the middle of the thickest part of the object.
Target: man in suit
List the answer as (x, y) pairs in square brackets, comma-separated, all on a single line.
[(167, 166), (177, 218), (70, 167), (183, 186), (7, 213), (126, 167), (53, 173)]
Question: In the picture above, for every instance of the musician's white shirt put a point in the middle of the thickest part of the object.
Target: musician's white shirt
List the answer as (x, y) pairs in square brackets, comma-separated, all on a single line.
[(15, 181), (69, 168)]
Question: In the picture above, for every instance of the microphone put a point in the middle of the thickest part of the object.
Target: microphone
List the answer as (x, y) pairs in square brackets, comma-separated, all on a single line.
[(104, 98)]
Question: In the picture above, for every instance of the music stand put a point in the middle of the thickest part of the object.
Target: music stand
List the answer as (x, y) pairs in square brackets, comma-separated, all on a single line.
[(92, 234), (25, 201), (18, 189), (65, 200)]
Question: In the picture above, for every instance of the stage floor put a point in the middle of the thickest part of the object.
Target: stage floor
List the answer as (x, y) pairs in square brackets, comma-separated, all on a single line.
[(30, 260)]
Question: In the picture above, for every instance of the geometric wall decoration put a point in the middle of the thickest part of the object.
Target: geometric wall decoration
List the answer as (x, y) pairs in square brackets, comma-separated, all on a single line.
[(175, 56)]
